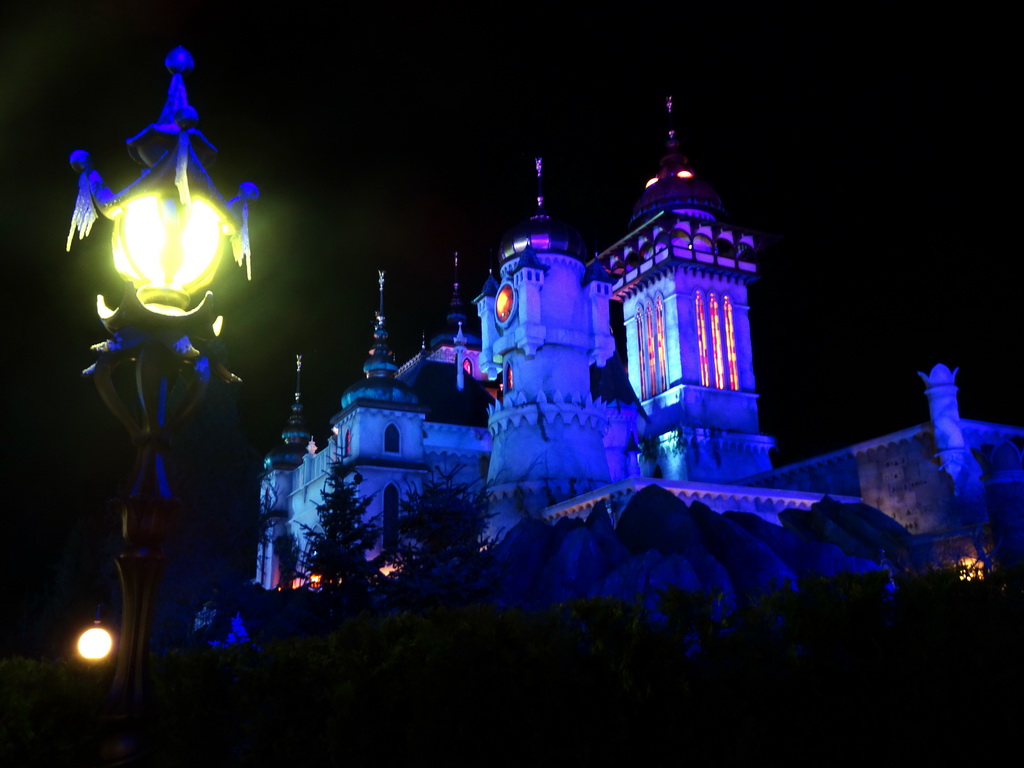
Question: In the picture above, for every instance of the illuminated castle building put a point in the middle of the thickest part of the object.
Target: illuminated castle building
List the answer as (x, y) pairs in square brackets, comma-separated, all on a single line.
[(541, 409)]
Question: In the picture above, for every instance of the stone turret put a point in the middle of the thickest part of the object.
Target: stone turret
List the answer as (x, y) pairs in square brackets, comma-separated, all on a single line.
[(951, 448), (542, 328)]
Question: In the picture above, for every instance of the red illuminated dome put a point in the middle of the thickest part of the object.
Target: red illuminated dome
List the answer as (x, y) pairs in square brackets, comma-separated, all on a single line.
[(676, 189)]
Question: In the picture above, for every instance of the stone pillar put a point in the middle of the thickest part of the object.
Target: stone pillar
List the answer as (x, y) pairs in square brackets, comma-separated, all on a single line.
[(951, 453)]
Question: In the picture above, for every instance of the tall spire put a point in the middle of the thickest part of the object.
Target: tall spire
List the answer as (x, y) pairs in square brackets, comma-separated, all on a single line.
[(380, 362), (674, 163), (296, 434)]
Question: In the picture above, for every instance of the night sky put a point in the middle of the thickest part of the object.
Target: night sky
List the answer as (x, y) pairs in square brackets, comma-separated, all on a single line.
[(875, 139)]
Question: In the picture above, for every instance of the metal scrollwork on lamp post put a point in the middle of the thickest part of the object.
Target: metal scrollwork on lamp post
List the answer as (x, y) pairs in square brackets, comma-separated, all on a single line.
[(168, 234)]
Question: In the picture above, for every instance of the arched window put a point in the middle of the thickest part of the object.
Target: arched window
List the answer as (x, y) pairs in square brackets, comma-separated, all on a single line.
[(716, 341), (652, 358), (390, 521), (467, 366), (641, 357), (702, 339), (659, 341), (730, 344), (348, 443), (508, 377), (391, 439)]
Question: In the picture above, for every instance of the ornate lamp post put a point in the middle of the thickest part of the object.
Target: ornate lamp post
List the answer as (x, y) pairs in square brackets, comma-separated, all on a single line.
[(168, 231)]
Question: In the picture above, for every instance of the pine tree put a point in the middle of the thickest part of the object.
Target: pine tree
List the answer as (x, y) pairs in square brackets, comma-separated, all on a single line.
[(339, 545), (443, 556)]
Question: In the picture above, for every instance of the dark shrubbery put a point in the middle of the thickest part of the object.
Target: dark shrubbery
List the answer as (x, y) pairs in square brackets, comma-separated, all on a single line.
[(48, 711), (838, 672)]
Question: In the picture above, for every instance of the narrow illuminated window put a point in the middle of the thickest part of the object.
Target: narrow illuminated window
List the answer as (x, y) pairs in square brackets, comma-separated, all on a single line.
[(391, 439), (702, 339), (467, 366), (390, 517), (730, 344), (652, 359), (716, 341), (348, 442), (660, 341), (641, 358)]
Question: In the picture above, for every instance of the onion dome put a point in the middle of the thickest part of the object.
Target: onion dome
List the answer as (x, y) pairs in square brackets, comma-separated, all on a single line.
[(675, 188), (542, 233), (381, 383), (386, 390)]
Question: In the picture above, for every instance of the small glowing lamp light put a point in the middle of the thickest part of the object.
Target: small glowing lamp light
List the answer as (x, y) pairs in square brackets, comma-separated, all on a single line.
[(651, 182), (970, 568), (315, 581), (95, 643), (684, 174), (167, 249)]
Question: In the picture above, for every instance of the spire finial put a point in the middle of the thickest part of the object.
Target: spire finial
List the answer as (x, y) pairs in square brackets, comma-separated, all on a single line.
[(456, 300), (539, 163), (674, 162), (456, 311), (296, 434), (379, 362)]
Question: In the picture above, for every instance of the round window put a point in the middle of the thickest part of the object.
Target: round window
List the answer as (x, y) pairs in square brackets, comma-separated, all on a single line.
[(504, 303)]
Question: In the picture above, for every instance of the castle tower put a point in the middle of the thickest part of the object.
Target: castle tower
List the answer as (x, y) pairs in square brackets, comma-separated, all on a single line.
[(542, 326), (951, 449), (276, 486), (380, 431), (682, 276)]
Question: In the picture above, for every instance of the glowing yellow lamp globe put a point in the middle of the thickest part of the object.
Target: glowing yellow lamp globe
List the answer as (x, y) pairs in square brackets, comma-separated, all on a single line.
[(166, 249), (95, 643)]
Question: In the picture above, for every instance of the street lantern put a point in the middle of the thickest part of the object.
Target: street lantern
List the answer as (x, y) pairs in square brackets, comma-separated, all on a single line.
[(168, 232), (95, 643)]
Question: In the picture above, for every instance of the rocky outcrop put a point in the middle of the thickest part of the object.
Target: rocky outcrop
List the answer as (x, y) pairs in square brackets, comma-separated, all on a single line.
[(660, 542)]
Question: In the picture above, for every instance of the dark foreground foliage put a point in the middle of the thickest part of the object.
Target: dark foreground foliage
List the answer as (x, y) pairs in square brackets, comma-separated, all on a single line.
[(839, 672), (442, 557)]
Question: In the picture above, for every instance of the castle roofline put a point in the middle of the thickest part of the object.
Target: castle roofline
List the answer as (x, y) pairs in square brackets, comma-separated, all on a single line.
[(970, 426), (666, 220), (381, 463), (675, 239), (380, 405)]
